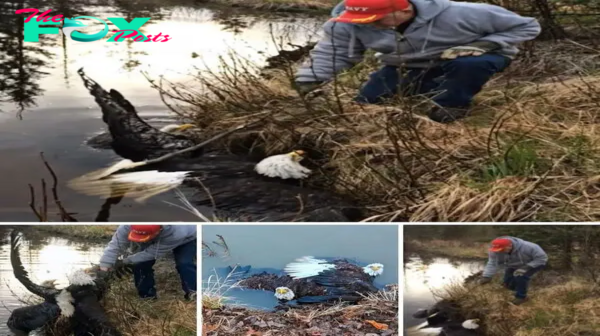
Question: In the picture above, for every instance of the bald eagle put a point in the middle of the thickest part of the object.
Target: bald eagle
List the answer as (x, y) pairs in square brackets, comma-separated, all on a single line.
[(58, 303), (90, 318), (234, 186), (447, 316), (310, 280)]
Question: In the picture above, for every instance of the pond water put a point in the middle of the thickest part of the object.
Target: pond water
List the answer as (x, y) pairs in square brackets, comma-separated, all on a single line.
[(59, 114), (44, 257), (270, 248), (422, 278)]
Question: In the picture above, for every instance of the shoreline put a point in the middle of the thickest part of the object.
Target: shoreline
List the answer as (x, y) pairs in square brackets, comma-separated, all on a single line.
[(85, 233), (374, 315), (446, 249), (281, 6)]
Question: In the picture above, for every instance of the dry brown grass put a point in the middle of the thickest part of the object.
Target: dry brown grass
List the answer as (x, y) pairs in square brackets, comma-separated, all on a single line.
[(169, 315), (338, 319), (80, 231), (450, 248), (555, 309), (528, 152)]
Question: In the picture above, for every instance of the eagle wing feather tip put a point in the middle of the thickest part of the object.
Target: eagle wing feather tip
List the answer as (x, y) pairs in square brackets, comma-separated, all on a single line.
[(305, 267)]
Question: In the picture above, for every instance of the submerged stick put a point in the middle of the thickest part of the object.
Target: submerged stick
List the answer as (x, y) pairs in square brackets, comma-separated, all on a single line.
[(189, 149)]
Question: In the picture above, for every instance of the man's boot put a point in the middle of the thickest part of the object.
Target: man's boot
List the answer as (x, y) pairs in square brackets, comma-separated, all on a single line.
[(518, 301)]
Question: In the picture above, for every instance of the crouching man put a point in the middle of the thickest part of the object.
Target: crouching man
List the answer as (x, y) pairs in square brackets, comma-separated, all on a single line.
[(155, 242), (442, 48), (521, 259)]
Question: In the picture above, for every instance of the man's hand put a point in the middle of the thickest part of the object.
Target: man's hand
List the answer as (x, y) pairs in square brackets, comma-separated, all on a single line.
[(122, 268), (521, 271), (484, 281), (305, 88), (462, 51)]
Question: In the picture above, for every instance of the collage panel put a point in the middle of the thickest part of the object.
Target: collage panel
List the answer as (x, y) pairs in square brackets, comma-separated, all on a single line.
[(294, 279), (501, 280), (98, 280)]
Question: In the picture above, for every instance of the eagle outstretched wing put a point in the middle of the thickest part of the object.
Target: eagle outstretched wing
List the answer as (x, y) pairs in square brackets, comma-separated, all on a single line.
[(133, 138), (22, 275)]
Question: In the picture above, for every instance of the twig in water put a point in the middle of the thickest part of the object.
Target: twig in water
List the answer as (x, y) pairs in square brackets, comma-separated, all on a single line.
[(42, 213), (65, 216)]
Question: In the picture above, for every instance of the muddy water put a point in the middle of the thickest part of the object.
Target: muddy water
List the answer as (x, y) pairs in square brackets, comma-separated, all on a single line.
[(44, 257), (423, 278), (272, 247), (59, 114)]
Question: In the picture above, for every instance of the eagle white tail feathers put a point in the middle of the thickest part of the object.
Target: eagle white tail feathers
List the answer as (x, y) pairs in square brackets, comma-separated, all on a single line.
[(307, 267), (138, 185)]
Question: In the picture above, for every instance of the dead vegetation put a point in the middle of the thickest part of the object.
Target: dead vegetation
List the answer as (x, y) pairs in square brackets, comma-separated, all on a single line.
[(375, 315), (528, 152), (169, 315), (559, 305)]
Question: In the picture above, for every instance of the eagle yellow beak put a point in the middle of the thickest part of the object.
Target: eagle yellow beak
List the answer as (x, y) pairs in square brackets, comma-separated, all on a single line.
[(297, 155), (282, 291), (375, 268)]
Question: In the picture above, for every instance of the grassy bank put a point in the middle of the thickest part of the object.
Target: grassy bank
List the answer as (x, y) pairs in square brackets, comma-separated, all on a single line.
[(169, 315), (375, 314), (91, 232), (529, 151), (280, 5), (559, 305), (448, 248)]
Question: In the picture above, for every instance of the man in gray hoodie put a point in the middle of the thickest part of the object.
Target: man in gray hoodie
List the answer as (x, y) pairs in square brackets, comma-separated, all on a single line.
[(522, 259), (441, 48), (155, 242)]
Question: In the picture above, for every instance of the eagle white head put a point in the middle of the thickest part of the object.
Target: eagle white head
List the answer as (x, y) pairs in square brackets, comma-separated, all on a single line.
[(283, 166), (470, 324), (284, 293), (374, 269), (80, 278)]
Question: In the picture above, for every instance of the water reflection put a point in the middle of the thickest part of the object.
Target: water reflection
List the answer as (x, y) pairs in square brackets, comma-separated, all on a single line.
[(24, 65), (60, 114), (270, 248), (44, 257), (423, 277)]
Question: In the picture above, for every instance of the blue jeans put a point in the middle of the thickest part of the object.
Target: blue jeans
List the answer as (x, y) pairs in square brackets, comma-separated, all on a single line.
[(143, 273), (519, 284), (454, 82)]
